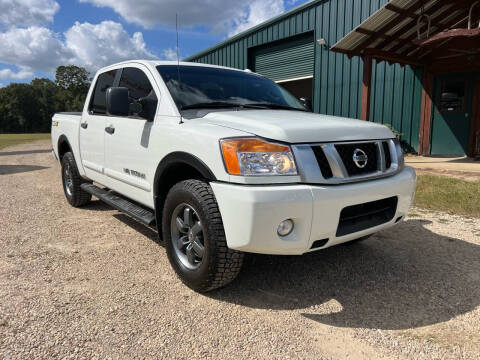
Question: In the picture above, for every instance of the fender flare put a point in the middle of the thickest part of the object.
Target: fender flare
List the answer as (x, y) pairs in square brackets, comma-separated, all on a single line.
[(175, 158), (180, 157), (61, 140)]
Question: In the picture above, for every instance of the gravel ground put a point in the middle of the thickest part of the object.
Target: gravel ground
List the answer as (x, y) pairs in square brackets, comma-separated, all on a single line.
[(92, 283)]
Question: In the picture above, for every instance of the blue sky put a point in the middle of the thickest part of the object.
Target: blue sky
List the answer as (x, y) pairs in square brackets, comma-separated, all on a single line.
[(39, 35)]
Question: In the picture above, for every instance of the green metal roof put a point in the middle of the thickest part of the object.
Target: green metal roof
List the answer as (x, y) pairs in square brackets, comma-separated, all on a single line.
[(298, 8)]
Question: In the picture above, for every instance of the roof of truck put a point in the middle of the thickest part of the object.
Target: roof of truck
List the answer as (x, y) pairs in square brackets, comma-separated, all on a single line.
[(161, 62)]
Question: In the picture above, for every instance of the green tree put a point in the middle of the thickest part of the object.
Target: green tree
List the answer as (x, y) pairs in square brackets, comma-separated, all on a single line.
[(47, 95), (20, 108), (28, 108), (73, 82), (72, 78)]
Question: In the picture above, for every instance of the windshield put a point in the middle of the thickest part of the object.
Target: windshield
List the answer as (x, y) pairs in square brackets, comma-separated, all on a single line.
[(201, 86)]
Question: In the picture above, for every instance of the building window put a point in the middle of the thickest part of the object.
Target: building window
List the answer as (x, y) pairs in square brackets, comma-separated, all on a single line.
[(452, 96)]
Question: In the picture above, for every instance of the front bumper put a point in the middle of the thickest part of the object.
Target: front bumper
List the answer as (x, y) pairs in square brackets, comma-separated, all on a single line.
[(251, 214)]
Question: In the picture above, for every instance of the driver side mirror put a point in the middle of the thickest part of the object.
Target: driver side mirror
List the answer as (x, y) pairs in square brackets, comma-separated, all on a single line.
[(117, 101), (307, 103)]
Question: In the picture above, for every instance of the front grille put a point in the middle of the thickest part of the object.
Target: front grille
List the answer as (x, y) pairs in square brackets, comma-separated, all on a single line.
[(364, 216), (345, 162), (322, 162), (388, 156), (346, 152)]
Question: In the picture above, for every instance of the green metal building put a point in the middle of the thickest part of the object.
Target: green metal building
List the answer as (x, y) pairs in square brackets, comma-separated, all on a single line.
[(294, 50)]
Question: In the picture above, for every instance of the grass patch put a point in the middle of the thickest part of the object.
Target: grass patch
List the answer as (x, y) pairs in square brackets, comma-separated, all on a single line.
[(412, 214), (450, 195), (14, 139)]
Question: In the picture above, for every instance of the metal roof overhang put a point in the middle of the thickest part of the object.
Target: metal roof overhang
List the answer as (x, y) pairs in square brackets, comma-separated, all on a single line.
[(390, 34)]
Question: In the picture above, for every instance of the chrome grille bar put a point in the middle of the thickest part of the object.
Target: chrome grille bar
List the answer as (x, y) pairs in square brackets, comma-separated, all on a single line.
[(309, 168)]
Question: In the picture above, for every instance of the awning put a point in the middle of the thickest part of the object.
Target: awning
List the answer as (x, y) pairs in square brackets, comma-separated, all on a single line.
[(398, 32)]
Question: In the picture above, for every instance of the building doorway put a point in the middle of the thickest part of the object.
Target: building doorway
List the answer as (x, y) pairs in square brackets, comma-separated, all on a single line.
[(452, 113), (300, 88), (289, 62)]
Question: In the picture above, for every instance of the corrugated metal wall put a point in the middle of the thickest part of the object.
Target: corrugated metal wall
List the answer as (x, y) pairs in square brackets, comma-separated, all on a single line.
[(396, 93)]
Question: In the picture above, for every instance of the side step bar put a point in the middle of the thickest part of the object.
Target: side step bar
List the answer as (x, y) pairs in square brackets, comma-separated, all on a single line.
[(126, 206)]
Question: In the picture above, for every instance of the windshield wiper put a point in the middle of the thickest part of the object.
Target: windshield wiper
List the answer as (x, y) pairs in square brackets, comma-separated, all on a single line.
[(224, 104), (211, 105), (271, 106)]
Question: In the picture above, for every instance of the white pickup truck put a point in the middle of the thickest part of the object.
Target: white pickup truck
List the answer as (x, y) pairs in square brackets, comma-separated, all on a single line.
[(225, 161)]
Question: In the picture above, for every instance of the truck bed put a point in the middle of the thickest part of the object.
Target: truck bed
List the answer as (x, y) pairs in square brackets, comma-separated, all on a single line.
[(67, 124)]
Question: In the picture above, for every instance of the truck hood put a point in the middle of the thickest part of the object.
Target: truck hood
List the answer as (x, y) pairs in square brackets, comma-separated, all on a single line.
[(298, 126)]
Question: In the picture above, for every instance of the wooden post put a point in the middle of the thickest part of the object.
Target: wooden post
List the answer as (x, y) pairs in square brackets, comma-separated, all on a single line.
[(366, 87), (426, 113), (475, 119)]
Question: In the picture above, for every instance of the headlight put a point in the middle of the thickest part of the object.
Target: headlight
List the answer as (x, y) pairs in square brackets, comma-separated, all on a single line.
[(400, 159), (255, 157)]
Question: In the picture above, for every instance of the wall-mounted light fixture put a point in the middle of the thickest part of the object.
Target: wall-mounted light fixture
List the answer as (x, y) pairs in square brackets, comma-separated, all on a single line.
[(322, 42)]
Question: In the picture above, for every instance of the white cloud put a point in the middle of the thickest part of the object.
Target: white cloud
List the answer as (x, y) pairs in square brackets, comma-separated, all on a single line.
[(22, 74), (15, 13), (84, 44), (94, 46), (258, 12), (170, 54), (35, 48), (221, 16)]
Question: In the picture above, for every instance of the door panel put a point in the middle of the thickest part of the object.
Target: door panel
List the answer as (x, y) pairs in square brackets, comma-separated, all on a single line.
[(126, 154), (92, 129), (451, 114), (127, 148)]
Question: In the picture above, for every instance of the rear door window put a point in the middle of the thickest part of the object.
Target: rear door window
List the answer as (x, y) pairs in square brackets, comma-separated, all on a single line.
[(98, 104)]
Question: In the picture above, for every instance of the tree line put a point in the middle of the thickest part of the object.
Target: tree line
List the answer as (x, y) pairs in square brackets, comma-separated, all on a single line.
[(28, 108)]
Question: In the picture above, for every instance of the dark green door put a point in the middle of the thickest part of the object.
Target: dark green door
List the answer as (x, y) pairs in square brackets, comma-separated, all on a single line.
[(451, 114)]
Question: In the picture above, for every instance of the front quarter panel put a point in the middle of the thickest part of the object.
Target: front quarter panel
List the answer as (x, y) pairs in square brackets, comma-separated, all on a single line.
[(196, 138)]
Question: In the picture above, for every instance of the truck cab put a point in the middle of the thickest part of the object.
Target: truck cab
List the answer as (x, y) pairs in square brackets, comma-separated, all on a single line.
[(224, 161)]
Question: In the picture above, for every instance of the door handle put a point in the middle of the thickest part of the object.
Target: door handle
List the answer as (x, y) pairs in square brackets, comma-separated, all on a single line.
[(84, 125), (110, 129)]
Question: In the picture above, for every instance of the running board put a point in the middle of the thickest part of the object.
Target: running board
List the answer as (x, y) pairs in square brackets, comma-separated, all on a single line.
[(120, 203)]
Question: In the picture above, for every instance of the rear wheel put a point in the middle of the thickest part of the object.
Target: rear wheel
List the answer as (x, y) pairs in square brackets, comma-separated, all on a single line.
[(71, 182), (195, 238)]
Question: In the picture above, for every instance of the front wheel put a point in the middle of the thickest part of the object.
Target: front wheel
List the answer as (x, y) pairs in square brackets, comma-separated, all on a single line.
[(195, 238)]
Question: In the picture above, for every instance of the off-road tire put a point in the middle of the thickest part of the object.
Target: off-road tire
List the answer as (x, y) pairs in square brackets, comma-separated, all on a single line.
[(75, 196), (220, 265)]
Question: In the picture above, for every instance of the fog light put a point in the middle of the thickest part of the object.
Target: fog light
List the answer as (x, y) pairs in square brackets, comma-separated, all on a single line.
[(285, 227)]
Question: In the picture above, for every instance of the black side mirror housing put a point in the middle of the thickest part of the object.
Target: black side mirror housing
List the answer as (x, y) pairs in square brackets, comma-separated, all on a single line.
[(149, 107), (117, 101), (307, 103)]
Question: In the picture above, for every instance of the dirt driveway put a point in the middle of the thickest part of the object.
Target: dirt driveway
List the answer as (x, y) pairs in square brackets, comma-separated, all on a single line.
[(92, 283)]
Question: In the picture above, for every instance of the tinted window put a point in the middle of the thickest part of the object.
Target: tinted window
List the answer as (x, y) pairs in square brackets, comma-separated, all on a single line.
[(136, 81), (104, 81), (198, 84), (139, 88), (452, 95)]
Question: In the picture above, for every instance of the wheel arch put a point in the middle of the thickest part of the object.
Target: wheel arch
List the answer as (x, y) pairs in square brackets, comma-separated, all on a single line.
[(176, 167), (63, 146)]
